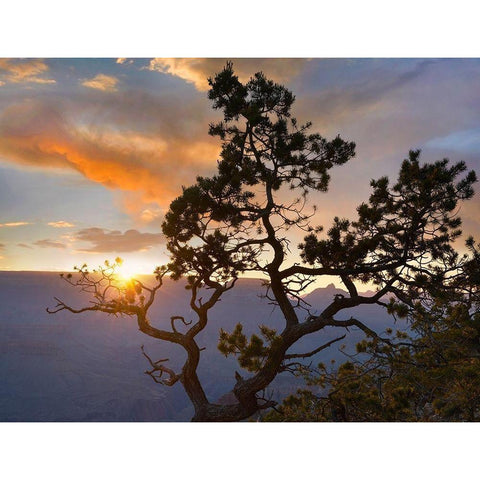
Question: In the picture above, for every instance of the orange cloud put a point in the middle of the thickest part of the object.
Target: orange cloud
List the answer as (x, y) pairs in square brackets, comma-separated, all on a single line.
[(150, 167), (197, 70), (14, 224), (106, 83), (122, 61), (61, 224), (24, 70)]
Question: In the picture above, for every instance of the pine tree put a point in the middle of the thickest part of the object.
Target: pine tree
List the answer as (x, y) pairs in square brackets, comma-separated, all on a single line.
[(237, 221)]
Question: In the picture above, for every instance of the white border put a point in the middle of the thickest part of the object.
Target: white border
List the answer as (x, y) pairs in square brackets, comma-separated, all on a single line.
[(248, 28), (240, 451)]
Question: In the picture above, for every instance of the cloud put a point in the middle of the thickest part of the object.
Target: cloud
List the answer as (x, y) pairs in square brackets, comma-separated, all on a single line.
[(24, 71), (106, 83), (147, 166), (197, 70), (121, 60), (14, 224), (361, 94), (390, 106), (147, 145), (24, 245), (103, 240), (467, 141), (148, 215), (61, 224), (2, 246), (47, 243)]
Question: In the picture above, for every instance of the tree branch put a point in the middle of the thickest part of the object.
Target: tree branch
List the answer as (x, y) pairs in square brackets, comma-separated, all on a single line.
[(313, 352)]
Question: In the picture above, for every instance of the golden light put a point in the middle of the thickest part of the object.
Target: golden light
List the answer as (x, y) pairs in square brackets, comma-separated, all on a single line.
[(127, 271), (131, 268)]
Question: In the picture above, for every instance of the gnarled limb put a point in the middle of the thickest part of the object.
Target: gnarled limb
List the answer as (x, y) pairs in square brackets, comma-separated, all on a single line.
[(158, 370)]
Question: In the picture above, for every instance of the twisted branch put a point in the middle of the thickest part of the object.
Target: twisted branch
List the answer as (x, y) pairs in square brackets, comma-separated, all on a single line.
[(178, 317), (158, 370)]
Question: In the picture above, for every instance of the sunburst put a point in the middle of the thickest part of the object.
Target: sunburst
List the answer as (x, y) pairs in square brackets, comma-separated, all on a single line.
[(126, 271)]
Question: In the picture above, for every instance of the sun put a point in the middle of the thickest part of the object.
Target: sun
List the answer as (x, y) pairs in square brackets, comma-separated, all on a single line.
[(126, 271)]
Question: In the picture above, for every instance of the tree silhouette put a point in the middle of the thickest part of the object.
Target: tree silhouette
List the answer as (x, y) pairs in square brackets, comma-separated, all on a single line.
[(237, 221), (430, 373)]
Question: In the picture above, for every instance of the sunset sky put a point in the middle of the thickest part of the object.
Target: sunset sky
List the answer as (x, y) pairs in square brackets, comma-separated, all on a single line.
[(93, 150)]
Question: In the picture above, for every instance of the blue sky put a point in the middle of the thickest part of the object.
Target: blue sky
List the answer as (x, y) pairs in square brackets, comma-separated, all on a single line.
[(93, 150)]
